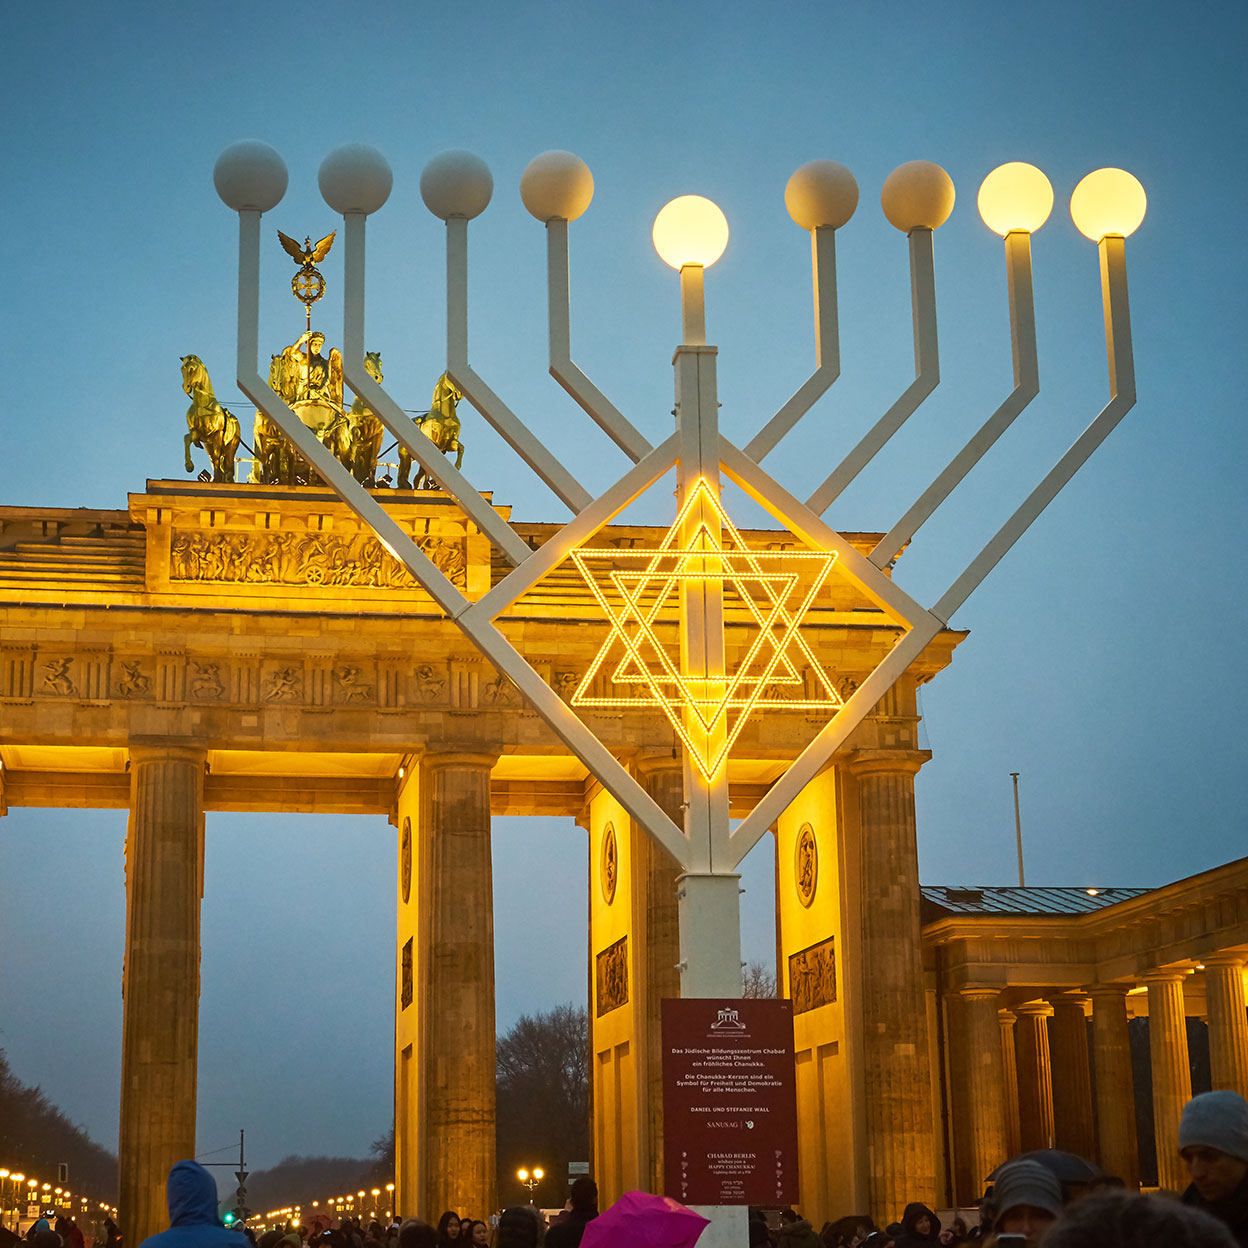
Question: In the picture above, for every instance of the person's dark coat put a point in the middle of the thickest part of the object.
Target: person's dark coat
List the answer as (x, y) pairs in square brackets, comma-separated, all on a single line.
[(567, 1233), (909, 1236), (193, 1222), (799, 1234), (1233, 1211)]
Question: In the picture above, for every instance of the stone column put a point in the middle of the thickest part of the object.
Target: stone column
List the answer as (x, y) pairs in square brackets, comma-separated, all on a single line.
[(459, 1099), (1009, 1081), (1172, 1076), (978, 1108), (656, 872), (895, 1078), (160, 980), (1228, 1024), (1115, 1084), (1035, 1076), (1074, 1128)]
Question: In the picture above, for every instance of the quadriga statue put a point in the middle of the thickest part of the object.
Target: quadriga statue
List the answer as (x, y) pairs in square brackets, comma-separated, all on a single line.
[(355, 437)]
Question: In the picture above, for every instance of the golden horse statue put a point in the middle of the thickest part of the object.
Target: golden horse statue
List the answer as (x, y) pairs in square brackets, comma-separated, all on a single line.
[(355, 437), (210, 426), (441, 426)]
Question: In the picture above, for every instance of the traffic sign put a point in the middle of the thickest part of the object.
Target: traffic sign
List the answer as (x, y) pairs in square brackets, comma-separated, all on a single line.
[(241, 1176)]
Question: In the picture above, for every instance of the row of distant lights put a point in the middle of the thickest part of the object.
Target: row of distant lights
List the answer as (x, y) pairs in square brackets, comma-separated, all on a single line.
[(42, 1190), (558, 186), (295, 1211)]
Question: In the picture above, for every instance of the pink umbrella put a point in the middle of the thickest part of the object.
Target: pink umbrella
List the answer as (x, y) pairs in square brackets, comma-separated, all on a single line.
[(639, 1220)]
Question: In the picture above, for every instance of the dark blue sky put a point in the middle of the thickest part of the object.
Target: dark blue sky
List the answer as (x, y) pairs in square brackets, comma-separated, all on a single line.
[(1105, 659)]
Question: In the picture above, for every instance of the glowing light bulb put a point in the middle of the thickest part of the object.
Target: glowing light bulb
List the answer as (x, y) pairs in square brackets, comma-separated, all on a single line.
[(690, 230), (1016, 196), (1108, 202)]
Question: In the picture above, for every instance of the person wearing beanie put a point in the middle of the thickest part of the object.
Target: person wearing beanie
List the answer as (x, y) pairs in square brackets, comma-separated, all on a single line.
[(1028, 1199), (1213, 1141)]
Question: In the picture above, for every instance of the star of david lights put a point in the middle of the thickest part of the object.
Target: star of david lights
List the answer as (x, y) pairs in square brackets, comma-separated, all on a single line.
[(774, 589)]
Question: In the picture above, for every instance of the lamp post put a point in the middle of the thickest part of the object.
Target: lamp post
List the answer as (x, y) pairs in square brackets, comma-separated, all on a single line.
[(530, 1179)]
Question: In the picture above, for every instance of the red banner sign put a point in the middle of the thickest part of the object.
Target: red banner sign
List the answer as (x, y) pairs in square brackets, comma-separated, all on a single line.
[(729, 1102)]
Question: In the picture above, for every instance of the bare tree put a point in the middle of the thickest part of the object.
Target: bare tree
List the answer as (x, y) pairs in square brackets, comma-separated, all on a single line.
[(543, 1099), (757, 980)]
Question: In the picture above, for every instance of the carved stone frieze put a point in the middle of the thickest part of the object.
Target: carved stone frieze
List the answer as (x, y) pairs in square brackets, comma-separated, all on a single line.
[(611, 977), (322, 559), (812, 976), (353, 686)]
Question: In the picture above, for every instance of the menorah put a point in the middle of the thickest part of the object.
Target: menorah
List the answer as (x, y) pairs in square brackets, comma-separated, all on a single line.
[(702, 698)]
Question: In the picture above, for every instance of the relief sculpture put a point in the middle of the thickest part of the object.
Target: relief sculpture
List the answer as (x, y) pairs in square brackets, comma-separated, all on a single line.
[(611, 967), (353, 686), (304, 559), (133, 682), (206, 683), (812, 977), (56, 677), (282, 685)]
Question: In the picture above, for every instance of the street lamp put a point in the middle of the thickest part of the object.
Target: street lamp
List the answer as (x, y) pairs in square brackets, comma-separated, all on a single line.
[(530, 1179)]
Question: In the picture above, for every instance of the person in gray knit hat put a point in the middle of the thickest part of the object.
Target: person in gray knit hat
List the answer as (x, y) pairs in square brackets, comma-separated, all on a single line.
[(1213, 1141), (1027, 1198)]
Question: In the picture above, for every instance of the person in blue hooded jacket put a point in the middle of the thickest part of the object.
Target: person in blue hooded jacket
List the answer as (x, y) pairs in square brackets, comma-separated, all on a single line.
[(193, 1220)]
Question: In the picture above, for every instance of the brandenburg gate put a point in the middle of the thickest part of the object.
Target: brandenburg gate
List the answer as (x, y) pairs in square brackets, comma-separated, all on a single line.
[(324, 637)]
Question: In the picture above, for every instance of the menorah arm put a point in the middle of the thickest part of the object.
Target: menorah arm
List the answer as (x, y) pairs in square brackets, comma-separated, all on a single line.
[(834, 734), (400, 425), (1026, 387), (505, 422), (827, 346), (576, 532), (926, 376), (597, 406), (396, 541), (1122, 399)]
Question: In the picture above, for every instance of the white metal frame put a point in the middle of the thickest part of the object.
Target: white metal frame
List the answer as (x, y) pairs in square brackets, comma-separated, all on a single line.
[(706, 847)]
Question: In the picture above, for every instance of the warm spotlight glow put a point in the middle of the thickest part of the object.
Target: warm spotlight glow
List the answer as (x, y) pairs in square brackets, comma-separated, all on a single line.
[(690, 230), (1108, 202), (1092, 892), (1016, 196), (522, 1175), (538, 1172)]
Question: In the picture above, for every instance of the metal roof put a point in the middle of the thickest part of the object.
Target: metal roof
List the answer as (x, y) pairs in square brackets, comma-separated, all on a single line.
[(980, 899)]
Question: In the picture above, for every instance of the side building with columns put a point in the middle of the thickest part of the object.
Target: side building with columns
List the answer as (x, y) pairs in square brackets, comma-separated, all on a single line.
[(1033, 992)]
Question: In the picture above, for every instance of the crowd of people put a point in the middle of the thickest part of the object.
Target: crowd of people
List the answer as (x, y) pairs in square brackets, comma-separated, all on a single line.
[(1027, 1206)]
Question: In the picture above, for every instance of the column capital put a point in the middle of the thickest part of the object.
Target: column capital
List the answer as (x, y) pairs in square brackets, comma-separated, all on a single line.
[(1226, 957), (1108, 990), (1078, 1000), (646, 765), (1161, 976), (886, 762), (1007, 1018), (154, 749), (434, 760), (1034, 1009), (979, 992)]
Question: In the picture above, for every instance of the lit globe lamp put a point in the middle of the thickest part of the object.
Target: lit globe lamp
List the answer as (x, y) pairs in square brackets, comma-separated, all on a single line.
[(1108, 203), (531, 1179), (690, 233), (1015, 198)]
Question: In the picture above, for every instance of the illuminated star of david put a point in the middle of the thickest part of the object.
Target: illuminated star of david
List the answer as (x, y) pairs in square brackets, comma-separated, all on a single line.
[(708, 713)]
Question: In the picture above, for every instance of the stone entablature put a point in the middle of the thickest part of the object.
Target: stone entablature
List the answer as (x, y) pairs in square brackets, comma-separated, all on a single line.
[(267, 619), (1174, 926)]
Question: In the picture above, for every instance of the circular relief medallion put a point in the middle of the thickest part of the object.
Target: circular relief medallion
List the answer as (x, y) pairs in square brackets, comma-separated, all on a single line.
[(806, 864), (405, 860), (610, 863)]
